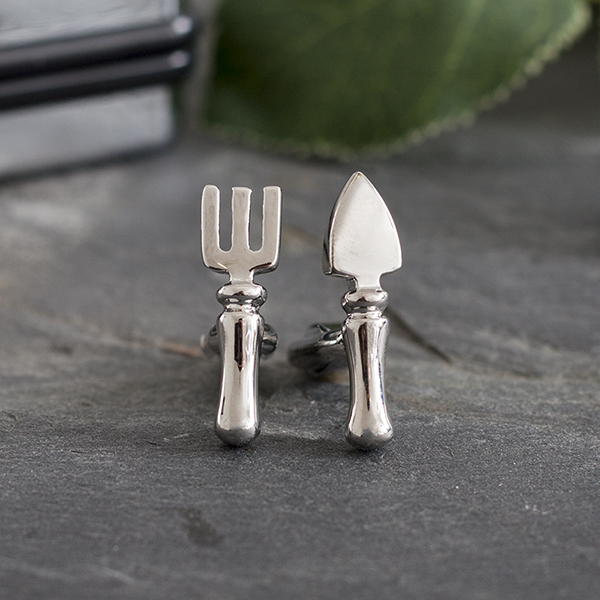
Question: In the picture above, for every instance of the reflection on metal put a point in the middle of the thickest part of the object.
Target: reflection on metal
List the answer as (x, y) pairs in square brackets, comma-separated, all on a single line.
[(240, 334), (361, 245)]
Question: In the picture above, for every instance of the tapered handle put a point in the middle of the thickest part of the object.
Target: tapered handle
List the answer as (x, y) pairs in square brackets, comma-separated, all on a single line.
[(365, 339), (240, 333)]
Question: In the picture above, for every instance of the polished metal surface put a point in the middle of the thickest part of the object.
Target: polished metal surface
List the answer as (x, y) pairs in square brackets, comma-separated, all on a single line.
[(210, 340), (240, 330), (361, 245)]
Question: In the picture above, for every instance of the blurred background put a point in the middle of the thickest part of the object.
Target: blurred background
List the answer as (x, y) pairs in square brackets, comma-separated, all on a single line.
[(85, 81), (81, 81), (479, 124)]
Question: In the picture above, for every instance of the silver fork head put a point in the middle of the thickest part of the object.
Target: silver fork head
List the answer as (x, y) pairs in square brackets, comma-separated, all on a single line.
[(240, 261)]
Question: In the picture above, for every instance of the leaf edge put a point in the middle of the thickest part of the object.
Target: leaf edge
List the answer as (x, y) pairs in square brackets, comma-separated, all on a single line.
[(544, 54)]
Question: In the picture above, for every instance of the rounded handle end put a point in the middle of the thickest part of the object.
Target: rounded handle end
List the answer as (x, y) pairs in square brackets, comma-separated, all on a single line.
[(237, 436), (369, 440)]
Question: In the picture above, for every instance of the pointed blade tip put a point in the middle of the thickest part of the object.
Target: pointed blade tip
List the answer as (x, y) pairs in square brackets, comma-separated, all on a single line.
[(362, 241)]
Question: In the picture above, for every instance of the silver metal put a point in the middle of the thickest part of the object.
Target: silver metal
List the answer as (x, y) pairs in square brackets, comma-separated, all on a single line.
[(361, 245), (240, 334), (210, 341)]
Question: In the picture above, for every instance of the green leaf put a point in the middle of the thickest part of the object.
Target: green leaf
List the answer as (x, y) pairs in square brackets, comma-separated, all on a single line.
[(339, 77)]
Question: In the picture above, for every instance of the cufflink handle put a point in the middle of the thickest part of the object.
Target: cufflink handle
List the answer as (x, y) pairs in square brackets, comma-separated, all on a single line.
[(240, 330), (359, 346), (365, 340)]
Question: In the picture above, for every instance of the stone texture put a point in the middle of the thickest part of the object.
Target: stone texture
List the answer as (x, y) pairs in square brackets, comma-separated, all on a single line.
[(112, 482)]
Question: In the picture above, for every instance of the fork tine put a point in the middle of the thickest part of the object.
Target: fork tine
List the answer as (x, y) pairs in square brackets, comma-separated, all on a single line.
[(212, 255), (240, 261), (240, 219), (268, 255)]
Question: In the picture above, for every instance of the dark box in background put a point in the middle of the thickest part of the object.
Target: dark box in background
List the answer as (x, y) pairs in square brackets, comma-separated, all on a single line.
[(83, 80)]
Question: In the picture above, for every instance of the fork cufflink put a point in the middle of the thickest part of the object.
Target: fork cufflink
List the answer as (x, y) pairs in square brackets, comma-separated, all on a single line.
[(240, 335)]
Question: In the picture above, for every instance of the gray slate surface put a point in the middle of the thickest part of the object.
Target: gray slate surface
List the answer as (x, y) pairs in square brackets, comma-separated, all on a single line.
[(112, 484)]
